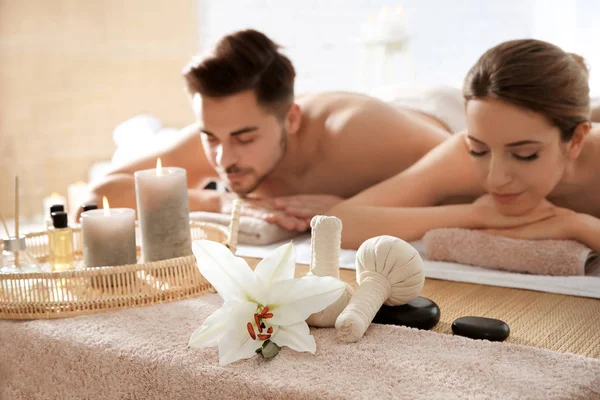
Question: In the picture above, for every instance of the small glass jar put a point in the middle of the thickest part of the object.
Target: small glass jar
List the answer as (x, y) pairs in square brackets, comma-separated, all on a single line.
[(15, 257), (60, 243)]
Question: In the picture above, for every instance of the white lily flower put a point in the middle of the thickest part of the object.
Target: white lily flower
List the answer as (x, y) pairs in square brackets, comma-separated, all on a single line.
[(264, 304)]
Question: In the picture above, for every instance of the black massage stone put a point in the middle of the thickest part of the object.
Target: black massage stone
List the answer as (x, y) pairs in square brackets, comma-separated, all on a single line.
[(481, 328), (420, 313)]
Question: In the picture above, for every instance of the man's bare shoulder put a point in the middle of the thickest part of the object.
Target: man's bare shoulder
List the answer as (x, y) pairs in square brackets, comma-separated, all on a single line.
[(339, 113)]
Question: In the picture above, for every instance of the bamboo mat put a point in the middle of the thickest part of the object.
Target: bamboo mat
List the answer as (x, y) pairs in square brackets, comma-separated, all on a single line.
[(546, 320)]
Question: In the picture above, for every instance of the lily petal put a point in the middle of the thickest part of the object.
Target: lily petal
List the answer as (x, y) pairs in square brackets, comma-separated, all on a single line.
[(213, 329), (297, 337), (237, 344), (294, 300), (232, 348), (279, 265), (230, 275)]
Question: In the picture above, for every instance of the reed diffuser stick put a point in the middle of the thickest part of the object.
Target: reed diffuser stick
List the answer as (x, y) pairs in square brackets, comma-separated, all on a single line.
[(17, 217), (5, 226)]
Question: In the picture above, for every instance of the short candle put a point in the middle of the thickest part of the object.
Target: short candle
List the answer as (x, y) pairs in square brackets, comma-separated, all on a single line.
[(108, 236)]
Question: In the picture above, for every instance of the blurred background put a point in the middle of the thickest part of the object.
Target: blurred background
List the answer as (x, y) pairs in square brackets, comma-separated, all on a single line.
[(84, 83)]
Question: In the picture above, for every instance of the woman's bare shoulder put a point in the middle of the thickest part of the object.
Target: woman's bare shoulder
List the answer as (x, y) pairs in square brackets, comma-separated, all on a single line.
[(450, 164)]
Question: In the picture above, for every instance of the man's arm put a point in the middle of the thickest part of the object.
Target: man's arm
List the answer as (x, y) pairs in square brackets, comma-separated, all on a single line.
[(119, 185)]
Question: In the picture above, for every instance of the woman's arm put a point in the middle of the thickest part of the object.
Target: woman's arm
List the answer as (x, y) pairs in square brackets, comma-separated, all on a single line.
[(407, 205), (411, 223), (403, 205), (408, 223), (587, 231), (564, 225), (445, 172)]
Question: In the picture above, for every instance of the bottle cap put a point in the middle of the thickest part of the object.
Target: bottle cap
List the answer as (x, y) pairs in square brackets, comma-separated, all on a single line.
[(57, 208), (88, 207), (60, 219)]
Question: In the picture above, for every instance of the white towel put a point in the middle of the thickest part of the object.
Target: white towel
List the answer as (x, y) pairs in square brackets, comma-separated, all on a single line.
[(444, 103), (252, 231), (583, 286)]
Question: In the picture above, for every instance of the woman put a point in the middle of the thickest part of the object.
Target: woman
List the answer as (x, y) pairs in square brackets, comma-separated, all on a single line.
[(530, 157)]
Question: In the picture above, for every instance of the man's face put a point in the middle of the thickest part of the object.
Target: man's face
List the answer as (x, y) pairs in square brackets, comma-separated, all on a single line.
[(242, 141)]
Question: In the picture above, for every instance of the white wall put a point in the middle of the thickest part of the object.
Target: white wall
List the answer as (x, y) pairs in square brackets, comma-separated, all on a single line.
[(446, 37), (575, 26)]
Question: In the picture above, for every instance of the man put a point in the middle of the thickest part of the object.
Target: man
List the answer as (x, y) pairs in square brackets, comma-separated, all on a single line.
[(290, 158)]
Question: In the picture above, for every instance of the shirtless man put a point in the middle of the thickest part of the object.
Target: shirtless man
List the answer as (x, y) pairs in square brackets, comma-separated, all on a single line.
[(289, 158)]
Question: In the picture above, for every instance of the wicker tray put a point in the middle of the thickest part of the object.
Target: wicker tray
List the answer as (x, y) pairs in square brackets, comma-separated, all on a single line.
[(46, 295)]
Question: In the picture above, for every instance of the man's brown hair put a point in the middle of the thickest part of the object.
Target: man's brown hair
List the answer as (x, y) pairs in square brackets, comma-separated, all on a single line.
[(245, 60), (537, 76)]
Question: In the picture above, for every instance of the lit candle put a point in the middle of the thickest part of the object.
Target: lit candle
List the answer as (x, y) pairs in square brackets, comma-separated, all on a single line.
[(108, 236), (163, 213)]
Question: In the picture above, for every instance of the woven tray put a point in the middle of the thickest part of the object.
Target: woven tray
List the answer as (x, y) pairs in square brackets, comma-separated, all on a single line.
[(46, 295)]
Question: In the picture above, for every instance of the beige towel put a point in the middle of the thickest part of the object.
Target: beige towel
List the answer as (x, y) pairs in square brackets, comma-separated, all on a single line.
[(253, 231), (142, 353), (539, 257)]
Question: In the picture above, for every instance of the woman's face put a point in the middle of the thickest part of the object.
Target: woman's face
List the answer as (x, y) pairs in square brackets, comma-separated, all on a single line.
[(517, 154)]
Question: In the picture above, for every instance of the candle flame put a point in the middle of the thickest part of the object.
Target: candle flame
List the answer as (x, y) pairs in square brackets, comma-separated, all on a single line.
[(105, 206), (158, 167), (54, 194)]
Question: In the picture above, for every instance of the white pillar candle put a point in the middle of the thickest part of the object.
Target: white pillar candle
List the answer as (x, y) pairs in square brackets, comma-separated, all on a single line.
[(109, 237), (163, 213)]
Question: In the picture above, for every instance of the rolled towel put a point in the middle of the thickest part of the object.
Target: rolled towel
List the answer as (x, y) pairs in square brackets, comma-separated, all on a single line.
[(252, 231), (538, 257)]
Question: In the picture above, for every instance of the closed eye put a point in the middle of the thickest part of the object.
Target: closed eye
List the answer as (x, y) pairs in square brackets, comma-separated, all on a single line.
[(211, 139), (242, 140), (477, 153), (531, 157)]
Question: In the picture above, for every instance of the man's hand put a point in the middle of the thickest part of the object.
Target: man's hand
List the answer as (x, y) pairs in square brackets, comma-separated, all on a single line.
[(264, 209), (306, 206)]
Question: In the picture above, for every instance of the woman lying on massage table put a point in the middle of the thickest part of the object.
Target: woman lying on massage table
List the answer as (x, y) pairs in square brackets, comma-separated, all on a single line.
[(528, 166)]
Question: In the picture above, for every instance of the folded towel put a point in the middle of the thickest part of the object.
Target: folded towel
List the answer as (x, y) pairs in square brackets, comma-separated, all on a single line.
[(539, 257), (252, 231), (444, 103)]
